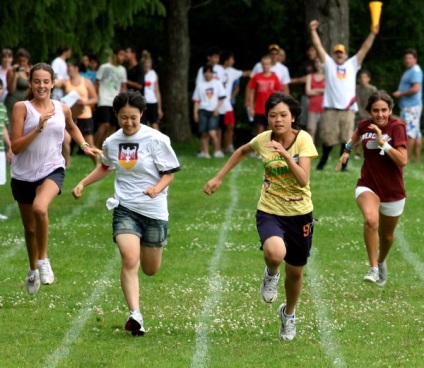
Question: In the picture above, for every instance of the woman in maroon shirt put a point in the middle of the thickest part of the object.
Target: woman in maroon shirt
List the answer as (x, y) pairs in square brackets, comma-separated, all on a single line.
[(380, 191)]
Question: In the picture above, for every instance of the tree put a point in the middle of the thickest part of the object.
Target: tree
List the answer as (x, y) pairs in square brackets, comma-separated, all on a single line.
[(175, 91), (333, 16), (43, 26)]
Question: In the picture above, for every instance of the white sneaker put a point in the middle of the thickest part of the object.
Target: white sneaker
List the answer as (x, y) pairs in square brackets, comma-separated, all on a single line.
[(268, 288), (288, 324), (382, 274), (33, 281), (46, 272), (218, 154), (202, 154), (3, 217), (135, 324), (371, 275)]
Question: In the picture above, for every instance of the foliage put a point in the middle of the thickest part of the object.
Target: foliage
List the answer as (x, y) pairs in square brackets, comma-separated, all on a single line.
[(43, 26), (204, 304)]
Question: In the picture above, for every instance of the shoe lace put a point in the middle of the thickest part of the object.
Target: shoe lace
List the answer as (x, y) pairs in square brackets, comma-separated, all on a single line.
[(289, 325), (270, 282)]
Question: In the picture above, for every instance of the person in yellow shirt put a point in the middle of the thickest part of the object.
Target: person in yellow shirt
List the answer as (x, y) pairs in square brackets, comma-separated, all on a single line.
[(284, 212)]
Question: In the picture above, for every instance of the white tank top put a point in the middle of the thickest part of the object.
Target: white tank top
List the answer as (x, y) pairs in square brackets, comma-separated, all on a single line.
[(44, 154)]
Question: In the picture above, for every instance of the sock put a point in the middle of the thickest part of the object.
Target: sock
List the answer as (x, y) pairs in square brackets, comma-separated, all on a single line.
[(287, 315), (135, 311), (268, 273), (374, 268), (41, 262)]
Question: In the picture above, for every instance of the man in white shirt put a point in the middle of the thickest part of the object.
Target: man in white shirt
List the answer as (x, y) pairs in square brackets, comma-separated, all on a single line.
[(60, 71), (338, 120)]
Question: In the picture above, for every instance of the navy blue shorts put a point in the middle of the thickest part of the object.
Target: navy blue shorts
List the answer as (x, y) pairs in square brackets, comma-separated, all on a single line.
[(152, 232), (24, 191), (296, 231)]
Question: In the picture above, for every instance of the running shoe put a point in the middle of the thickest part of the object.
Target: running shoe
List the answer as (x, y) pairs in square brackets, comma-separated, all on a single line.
[(268, 289), (33, 281), (371, 275), (288, 324), (382, 274), (46, 272), (135, 324)]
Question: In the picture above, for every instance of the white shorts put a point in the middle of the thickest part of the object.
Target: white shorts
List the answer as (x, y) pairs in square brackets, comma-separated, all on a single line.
[(392, 209)]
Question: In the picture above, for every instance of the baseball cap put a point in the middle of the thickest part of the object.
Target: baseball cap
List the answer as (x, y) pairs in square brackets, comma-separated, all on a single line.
[(340, 48), (273, 46)]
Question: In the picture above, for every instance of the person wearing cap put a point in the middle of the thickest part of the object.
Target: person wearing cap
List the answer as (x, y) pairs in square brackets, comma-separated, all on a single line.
[(6, 63), (338, 119), (409, 93)]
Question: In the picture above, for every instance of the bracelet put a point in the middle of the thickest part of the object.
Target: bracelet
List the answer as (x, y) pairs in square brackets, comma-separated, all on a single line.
[(38, 130), (84, 144), (348, 146), (348, 151)]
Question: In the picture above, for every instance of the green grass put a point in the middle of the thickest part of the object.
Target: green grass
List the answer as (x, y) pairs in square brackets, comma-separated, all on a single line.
[(203, 308)]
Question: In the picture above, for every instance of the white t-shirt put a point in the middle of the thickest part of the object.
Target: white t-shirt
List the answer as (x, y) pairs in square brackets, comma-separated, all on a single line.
[(208, 94), (230, 75), (139, 161), (61, 73), (110, 79), (150, 80), (218, 73), (44, 154), (279, 69), (340, 84)]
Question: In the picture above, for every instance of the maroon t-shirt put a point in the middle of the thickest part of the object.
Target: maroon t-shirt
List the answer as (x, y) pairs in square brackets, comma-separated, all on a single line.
[(379, 172)]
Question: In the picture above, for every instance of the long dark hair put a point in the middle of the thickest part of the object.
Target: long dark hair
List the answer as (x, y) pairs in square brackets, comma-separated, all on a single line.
[(39, 66)]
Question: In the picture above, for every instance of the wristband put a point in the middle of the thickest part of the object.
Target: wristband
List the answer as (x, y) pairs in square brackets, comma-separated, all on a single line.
[(348, 146), (84, 144), (385, 148)]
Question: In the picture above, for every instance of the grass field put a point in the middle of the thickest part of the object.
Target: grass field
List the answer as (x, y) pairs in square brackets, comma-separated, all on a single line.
[(203, 308)]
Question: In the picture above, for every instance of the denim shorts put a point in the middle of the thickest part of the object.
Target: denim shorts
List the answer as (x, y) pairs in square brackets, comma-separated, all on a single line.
[(207, 121), (152, 232)]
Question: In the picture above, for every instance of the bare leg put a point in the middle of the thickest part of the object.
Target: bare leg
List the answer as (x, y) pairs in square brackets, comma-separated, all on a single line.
[(274, 252), (418, 144), (129, 247), (228, 137), (205, 143), (369, 204), (387, 229), (213, 134), (293, 285)]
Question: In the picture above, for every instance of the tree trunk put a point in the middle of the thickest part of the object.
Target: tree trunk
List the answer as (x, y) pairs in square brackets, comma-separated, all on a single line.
[(333, 17), (175, 85)]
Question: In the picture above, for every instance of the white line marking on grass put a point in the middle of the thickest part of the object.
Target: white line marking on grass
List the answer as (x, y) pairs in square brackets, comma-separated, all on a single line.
[(409, 255), (329, 343), (200, 357), (73, 333)]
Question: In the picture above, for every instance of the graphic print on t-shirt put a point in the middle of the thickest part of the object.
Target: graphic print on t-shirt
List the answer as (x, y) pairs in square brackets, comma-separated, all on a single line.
[(128, 154), (341, 72), (209, 93)]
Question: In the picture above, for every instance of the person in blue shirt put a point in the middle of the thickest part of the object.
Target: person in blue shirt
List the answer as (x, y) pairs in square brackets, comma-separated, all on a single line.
[(410, 102)]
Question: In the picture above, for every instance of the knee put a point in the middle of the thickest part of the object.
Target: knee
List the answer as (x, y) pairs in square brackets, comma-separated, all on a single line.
[(149, 270), (131, 263), (371, 223), (39, 211)]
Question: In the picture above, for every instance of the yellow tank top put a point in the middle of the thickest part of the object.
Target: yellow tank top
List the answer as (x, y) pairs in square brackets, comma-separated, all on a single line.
[(83, 92)]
